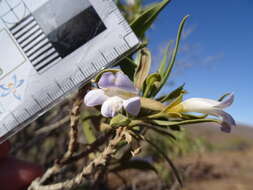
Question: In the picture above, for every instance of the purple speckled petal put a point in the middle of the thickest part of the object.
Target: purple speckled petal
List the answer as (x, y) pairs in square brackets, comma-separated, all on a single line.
[(107, 80), (95, 97), (122, 81), (112, 106), (133, 105)]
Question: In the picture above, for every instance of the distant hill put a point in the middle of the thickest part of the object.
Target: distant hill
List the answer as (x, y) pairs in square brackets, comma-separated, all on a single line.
[(242, 135)]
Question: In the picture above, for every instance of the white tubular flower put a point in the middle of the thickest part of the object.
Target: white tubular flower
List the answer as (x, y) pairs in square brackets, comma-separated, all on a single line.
[(116, 91), (210, 107)]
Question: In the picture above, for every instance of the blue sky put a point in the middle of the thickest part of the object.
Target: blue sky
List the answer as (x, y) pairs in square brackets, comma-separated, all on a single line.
[(217, 50)]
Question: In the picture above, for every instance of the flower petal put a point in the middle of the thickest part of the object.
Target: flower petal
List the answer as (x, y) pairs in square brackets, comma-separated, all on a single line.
[(133, 105), (95, 97), (122, 81), (228, 121), (227, 102), (117, 80), (112, 106), (201, 105), (107, 80)]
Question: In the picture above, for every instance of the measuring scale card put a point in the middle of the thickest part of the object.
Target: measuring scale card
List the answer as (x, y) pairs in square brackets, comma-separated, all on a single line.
[(48, 48)]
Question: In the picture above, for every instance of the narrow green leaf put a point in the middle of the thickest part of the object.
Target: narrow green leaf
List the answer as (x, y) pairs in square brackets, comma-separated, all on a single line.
[(185, 122), (143, 22), (169, 161), (143, 68), (161, 131), (165, 59), (174, 94), (177, 101), (174, 54)]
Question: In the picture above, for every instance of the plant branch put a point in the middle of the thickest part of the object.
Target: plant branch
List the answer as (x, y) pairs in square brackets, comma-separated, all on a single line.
[(92, 167)]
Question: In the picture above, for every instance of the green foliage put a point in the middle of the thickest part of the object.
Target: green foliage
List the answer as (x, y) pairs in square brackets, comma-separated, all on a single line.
[(143, 22), (183, 145), (166, 73), (119, 120), (173, 95)]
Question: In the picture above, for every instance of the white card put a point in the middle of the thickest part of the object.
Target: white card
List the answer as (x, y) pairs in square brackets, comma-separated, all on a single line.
[(49, 48)]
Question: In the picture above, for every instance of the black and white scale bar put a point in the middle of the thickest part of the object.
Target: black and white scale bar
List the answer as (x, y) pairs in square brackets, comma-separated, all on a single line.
[(35, 44)]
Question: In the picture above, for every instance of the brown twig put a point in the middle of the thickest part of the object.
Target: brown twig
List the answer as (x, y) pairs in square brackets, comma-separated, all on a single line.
[(73, 134), (52, 127), (92, 167), (74, 121)]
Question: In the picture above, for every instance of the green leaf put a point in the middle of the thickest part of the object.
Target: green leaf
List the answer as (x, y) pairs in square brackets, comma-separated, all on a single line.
[(174, 54), (143, 22), (168, 160), (128, 67), (87, 125), (174, 94), (151, 84), (184, 122), (88, 132), (135, 164), (119, 120), (143, 68), (161, 131), (177, 101), (164, 62)]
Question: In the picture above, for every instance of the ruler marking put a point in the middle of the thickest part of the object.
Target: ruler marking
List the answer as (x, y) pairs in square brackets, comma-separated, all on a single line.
[(106, 61), (15, 118), (27, 111), (81, 71), (6, 128), (116, 51), (112, 11), (50, 97), (73, 82), (59, 86), (94, 66), (126, 40), (37, 102)]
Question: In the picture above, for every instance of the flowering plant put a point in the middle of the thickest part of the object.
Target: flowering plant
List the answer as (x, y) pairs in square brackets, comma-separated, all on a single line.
[(122, 105)]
